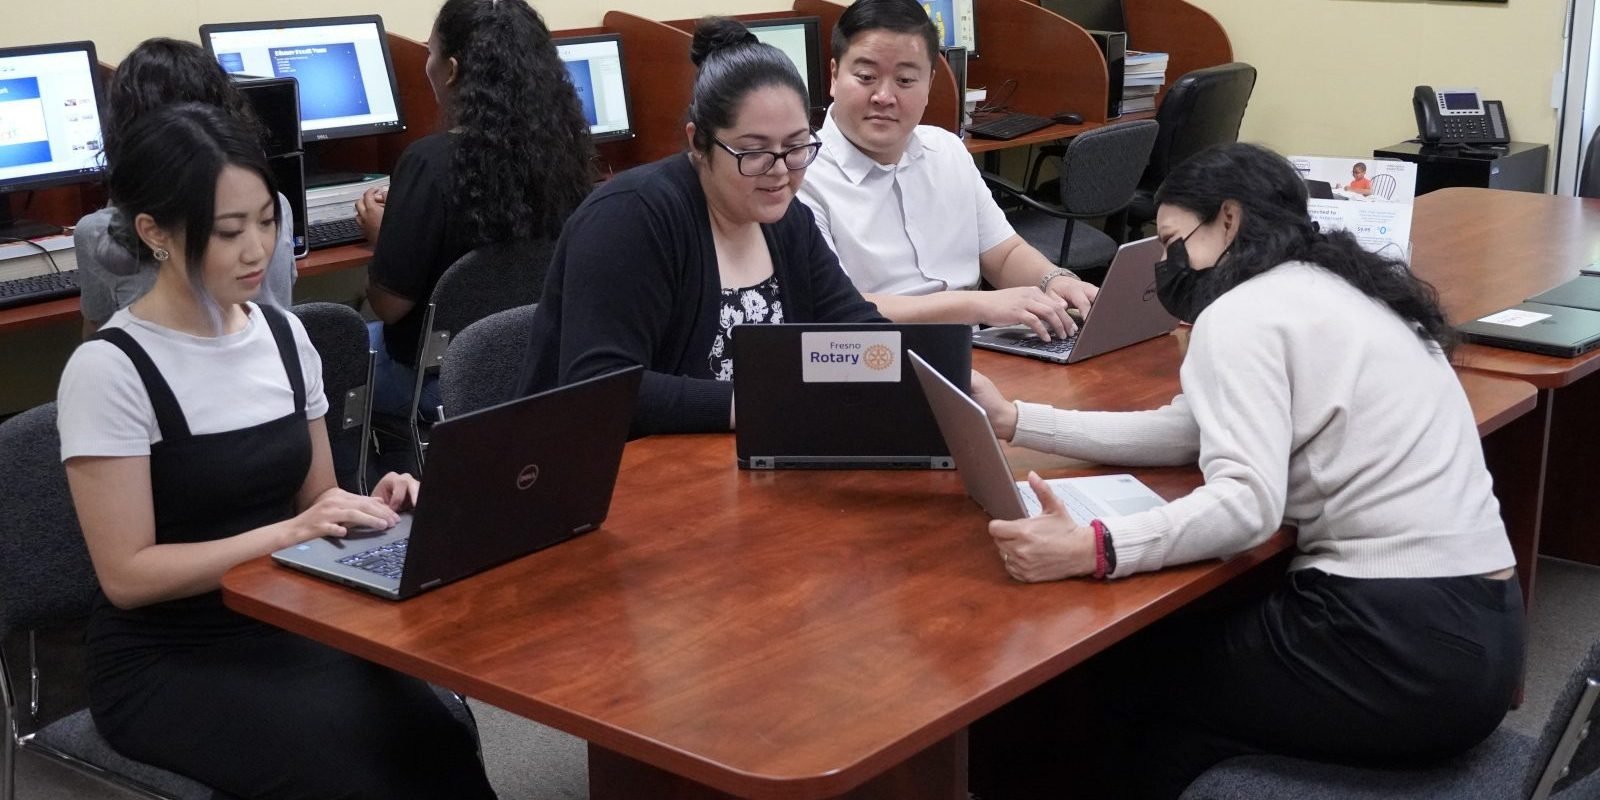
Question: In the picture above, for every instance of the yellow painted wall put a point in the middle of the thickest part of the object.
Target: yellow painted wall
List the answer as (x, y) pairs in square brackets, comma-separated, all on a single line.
[(1335, 76)]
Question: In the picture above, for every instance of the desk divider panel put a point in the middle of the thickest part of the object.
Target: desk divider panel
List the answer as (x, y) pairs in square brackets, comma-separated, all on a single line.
[(1056, 64), (660, 82), (943, 104), (1192, 38)]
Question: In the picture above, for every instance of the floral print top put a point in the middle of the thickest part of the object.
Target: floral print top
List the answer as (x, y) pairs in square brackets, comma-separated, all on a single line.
[(758, 304)]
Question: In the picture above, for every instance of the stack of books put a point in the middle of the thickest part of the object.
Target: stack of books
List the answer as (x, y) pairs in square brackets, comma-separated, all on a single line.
[(1143, 75)]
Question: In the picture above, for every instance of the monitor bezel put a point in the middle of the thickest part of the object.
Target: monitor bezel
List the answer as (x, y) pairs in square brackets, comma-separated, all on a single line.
[(816, 80), (326, 134), (50, 180), (627, 89)]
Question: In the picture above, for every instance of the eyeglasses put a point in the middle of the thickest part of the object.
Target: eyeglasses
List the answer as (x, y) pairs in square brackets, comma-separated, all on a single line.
[(755, 163)]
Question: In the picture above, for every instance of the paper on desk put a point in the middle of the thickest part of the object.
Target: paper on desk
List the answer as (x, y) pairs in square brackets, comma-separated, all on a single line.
[(1514, 318)]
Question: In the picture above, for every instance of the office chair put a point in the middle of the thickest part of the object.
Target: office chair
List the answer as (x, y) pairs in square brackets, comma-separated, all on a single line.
[(1589, 177), (1099, 171), (1559, 765), (46, 580), (489, 279), (485, 362), (340, 336), (1384, 185), (1202, 109)]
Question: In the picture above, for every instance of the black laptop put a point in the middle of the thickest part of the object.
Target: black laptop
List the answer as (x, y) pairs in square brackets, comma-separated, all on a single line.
[(1580, 292), (502, 482), (1538, 328), (842, 396)]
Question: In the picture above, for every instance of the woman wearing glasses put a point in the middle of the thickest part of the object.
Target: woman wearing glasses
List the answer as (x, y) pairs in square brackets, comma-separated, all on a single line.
[(659, 265)]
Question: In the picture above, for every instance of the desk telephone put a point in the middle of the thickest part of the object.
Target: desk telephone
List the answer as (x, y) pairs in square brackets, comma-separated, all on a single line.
[(1458, 116)]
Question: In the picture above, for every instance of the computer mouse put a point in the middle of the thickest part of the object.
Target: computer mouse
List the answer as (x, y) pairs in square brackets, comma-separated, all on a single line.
[(1068, 118)]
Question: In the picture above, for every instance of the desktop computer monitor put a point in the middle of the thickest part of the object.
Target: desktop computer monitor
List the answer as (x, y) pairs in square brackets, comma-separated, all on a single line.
[(957, 23), (50, 131), (1091, 15), (800, 39), (342, 64), (595, 64)]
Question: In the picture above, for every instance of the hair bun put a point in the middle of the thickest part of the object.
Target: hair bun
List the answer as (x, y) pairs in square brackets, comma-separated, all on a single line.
[(718, 33)]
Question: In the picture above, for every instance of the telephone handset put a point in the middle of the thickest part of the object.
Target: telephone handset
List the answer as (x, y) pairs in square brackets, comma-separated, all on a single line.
[(1458, 116)]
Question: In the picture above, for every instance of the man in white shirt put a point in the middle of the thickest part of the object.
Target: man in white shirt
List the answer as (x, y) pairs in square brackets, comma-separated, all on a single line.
[(903, 205)]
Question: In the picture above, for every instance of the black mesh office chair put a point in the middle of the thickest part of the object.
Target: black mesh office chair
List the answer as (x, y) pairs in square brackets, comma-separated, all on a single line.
[(1589, 178), (1099, 171), (1560, 764), (1202, 109)]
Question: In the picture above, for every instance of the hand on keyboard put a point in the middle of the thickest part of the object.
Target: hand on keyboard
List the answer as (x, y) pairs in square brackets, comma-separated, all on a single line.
[(1044, 314), (1047, 547)]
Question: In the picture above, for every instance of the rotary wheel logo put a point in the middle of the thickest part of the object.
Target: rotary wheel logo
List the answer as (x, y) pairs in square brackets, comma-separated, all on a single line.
[(878, 357)]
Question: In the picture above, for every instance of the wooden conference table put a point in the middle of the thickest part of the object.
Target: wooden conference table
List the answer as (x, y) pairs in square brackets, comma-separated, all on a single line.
[(781, 635), (1485, 250)]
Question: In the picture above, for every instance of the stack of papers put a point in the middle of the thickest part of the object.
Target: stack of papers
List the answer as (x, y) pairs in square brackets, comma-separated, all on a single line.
[(1143, 75)]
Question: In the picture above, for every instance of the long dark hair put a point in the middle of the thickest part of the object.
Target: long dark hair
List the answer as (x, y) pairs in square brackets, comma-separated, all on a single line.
[(161, 72), (168, 167), (1276, 228), (733, 63), (522, 156)]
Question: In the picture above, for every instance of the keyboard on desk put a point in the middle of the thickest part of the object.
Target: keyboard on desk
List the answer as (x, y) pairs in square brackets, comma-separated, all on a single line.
[(1007, 125), (333, 233), (388, 560), (38, 288)]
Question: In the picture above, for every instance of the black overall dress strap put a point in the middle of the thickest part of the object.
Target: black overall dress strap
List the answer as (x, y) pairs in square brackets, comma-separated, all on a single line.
[(169, 416), (283, 335)]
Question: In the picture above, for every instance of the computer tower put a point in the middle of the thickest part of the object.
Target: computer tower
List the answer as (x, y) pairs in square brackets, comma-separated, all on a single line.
[(276, 103), (1114, 46), (956, 57)]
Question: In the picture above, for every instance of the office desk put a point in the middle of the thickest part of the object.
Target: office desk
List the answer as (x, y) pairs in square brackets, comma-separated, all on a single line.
[(1485, 250), (1049, 135), (319, 262), (795, 634)]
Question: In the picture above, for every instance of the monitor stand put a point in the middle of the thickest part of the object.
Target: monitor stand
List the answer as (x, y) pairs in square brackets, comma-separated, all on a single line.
[(13, 228)]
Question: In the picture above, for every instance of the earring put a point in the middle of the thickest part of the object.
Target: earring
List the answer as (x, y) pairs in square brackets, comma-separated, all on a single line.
[(161, 253)]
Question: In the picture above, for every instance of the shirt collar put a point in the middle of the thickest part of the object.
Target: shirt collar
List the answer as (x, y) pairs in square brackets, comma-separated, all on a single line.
[(855, 164)]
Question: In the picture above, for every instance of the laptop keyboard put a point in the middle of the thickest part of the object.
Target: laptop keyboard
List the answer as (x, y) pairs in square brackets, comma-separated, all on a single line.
[(386, 560), (1057, 346), (1069, 498)]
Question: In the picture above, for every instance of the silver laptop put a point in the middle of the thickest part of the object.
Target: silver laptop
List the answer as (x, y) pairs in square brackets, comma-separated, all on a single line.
[(502, 482), (987, 475), (1126, 312)]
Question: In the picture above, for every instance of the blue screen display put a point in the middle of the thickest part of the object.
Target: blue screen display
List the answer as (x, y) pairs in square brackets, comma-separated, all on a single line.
[(583, 82), (329, 77)]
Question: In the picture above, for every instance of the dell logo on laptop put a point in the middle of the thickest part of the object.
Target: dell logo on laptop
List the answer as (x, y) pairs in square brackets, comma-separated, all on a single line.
[(528, 477)]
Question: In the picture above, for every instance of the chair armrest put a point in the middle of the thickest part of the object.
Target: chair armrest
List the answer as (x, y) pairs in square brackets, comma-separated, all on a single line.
[(1016, 192)]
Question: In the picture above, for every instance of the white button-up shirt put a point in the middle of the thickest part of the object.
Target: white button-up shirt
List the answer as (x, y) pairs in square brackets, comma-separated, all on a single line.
[(911, 228)]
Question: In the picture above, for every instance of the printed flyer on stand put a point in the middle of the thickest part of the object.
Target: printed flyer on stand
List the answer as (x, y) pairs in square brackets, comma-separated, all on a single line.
[(1369, 197)]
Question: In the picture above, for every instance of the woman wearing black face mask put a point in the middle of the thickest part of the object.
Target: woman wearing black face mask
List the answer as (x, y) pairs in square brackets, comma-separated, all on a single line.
[(1317, 392)]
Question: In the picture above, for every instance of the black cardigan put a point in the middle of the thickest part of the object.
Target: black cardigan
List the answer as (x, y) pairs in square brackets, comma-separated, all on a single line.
[(634, 280)]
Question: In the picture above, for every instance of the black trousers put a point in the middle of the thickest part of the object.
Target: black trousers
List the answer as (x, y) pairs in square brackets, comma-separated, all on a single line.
[(1360, 671)]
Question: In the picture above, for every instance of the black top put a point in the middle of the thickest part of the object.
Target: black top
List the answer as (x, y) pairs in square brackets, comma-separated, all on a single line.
[(420, 238), (634, 280), (761, 304)]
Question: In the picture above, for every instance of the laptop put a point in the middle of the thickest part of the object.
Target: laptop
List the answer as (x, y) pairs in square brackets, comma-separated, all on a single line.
[(1126, 312), (987, 476), (840, 396), (502, 482), (1549, 330), (1580, 292), (1320, 190)]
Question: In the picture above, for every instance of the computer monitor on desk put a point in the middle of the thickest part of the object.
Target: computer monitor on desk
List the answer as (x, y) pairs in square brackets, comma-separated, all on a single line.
[(346, 76), (957, 22), (800, 39), (50, 131), (1090, 15), (595, 64)]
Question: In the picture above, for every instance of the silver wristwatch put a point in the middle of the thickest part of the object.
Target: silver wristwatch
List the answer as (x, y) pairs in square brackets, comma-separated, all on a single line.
[(1044, 283)]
